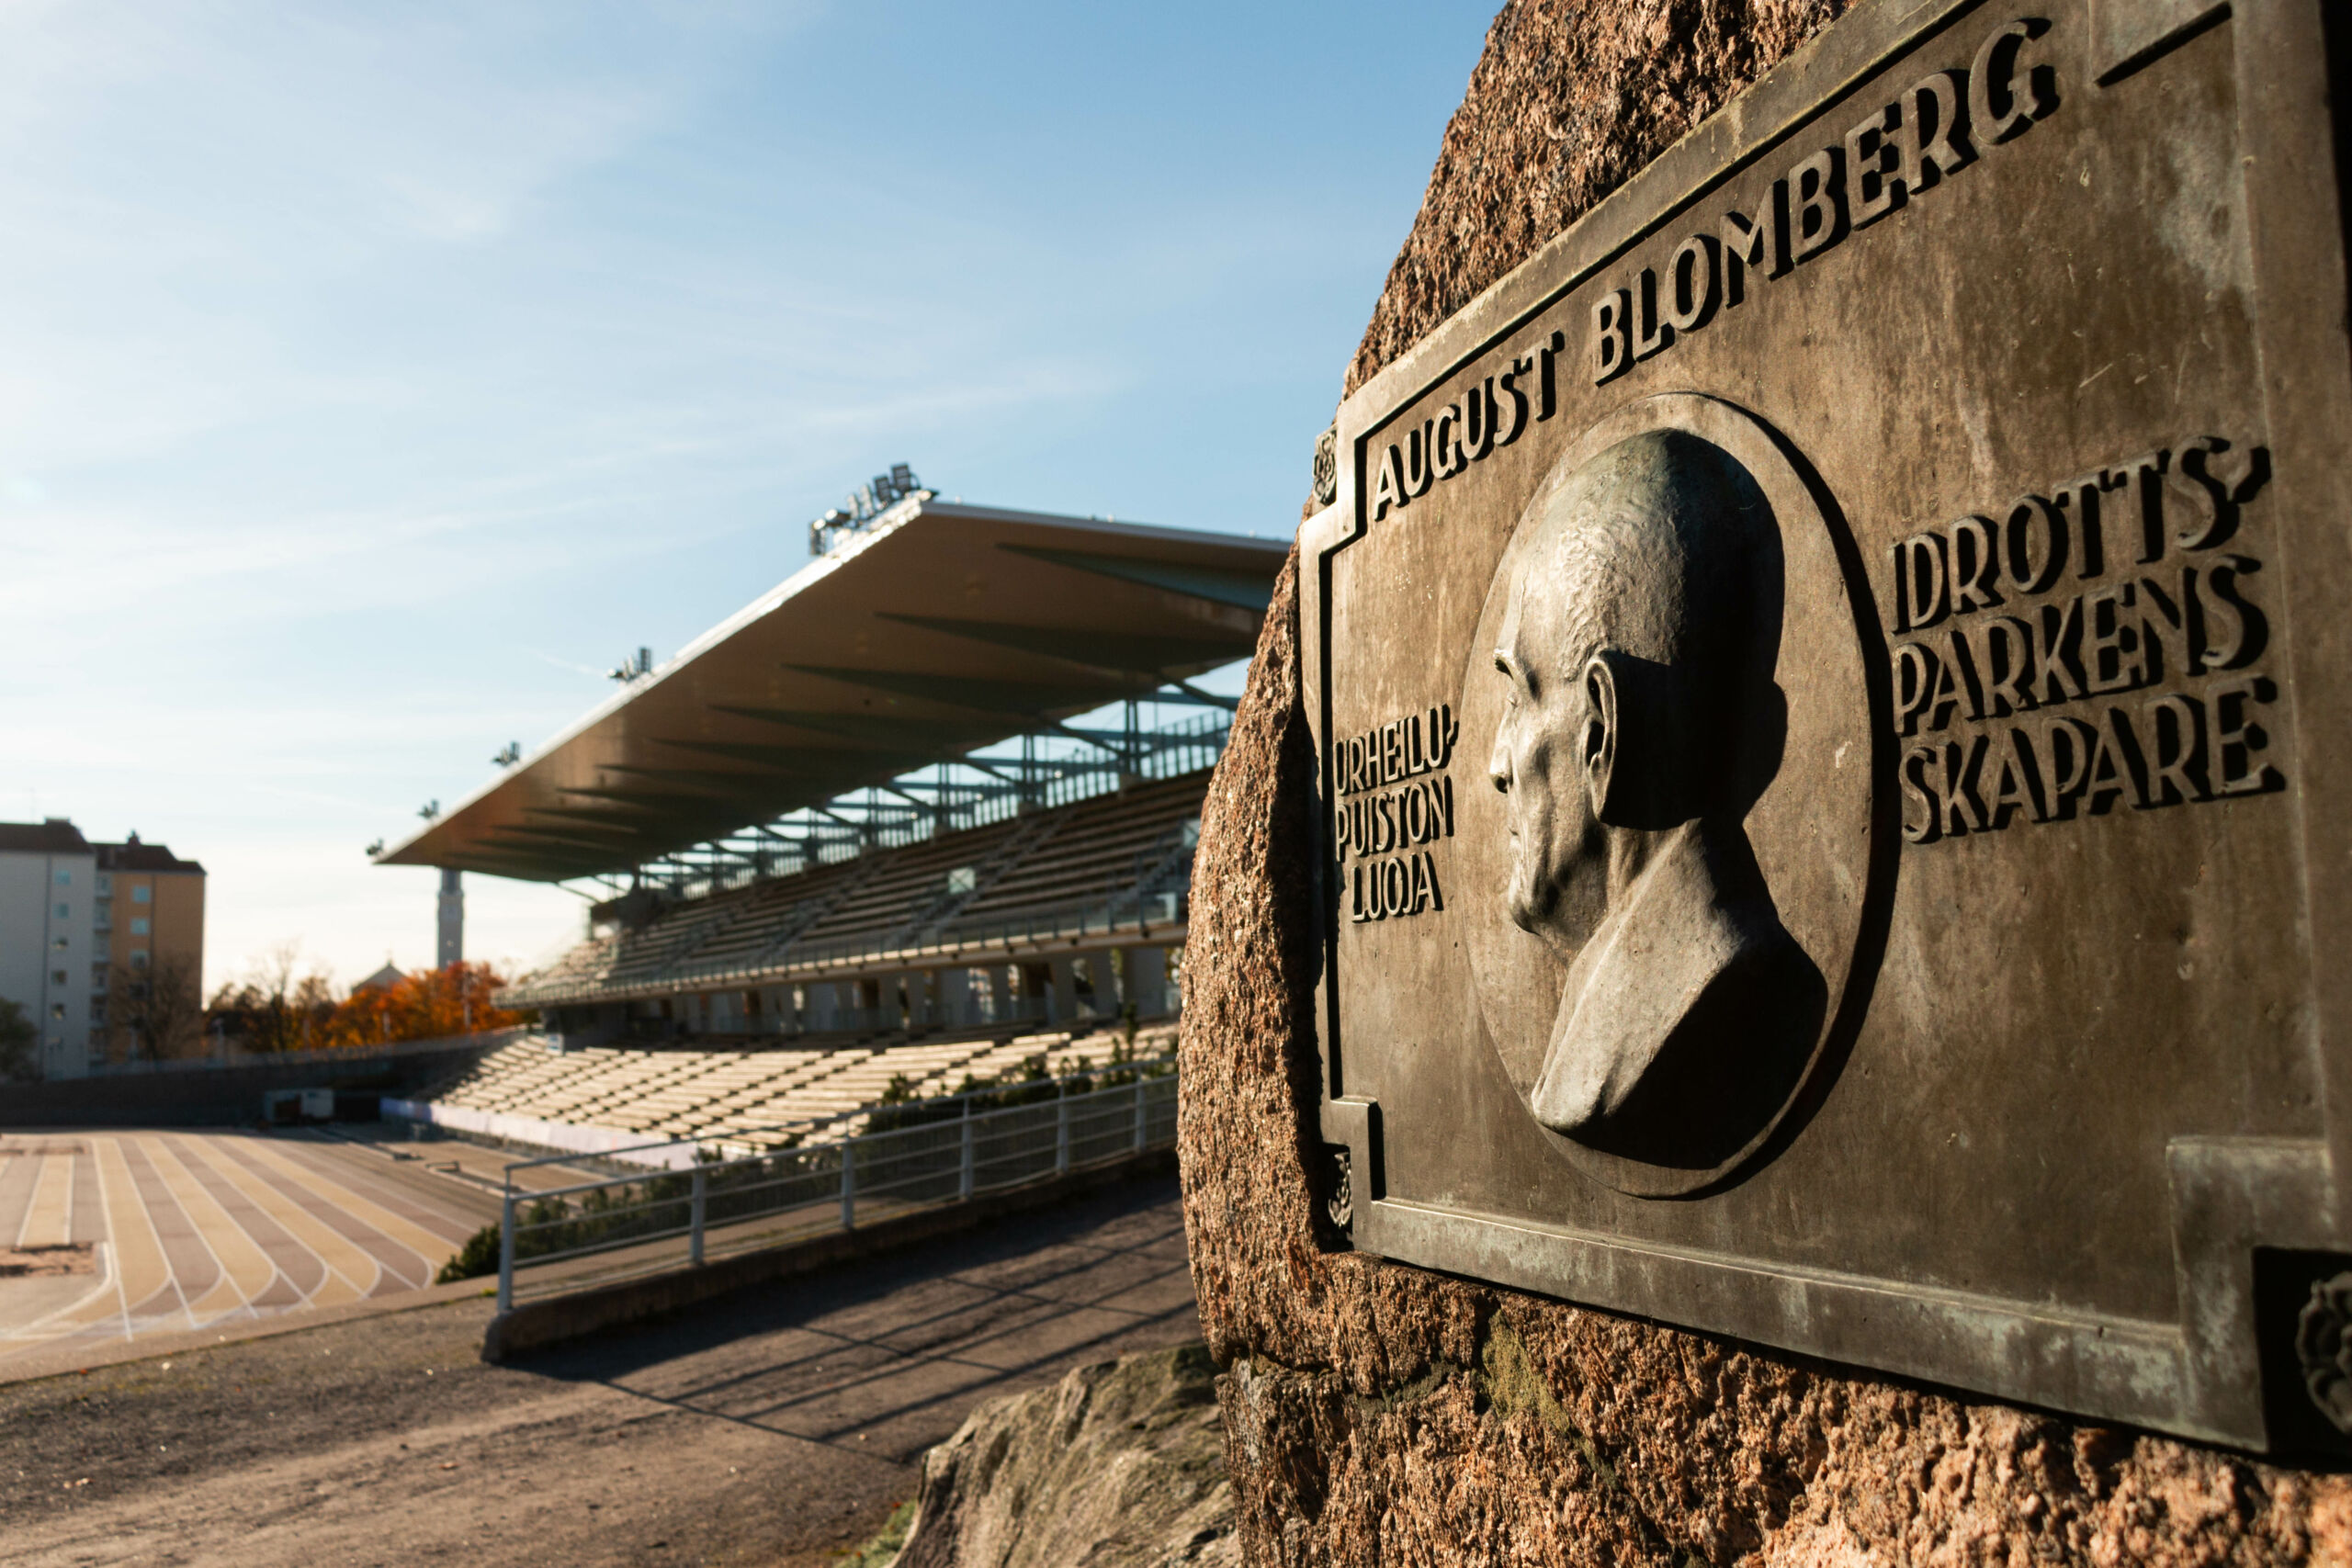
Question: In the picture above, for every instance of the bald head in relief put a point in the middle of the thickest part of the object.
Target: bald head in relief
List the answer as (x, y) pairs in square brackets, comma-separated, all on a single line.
[(1643, 722)]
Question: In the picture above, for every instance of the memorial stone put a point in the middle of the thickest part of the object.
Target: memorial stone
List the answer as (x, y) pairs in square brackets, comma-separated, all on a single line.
[(1848, 854), (1813, 815)]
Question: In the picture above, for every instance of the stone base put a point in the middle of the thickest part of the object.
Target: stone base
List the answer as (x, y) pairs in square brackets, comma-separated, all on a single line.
[(1116, 1466)]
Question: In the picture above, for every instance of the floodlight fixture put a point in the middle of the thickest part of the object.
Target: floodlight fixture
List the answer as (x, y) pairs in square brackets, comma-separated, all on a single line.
[(864, 506)]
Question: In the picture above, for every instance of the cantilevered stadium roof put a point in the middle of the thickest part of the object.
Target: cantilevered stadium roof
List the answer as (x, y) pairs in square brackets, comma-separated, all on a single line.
[(943, 628)]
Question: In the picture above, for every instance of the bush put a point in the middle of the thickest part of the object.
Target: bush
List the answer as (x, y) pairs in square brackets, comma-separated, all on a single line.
[(660, 1205), (476, 1257), (1032, 1082)]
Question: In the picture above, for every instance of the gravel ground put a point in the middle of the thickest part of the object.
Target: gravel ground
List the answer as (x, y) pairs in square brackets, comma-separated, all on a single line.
[(774, 1428)]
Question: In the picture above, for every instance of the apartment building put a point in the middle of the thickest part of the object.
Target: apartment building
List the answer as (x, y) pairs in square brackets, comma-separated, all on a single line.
[(84, 929), (149, 923), (50, 965)]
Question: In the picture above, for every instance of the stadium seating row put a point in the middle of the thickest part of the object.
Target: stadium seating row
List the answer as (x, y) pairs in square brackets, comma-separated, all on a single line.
[(749, 1101), (1125, 857)]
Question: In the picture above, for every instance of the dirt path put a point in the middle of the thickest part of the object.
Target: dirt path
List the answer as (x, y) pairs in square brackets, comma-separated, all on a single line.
[(775, 1429)]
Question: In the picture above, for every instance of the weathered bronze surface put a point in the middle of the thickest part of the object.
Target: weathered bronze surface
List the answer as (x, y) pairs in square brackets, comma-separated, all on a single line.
[(1830, 684)]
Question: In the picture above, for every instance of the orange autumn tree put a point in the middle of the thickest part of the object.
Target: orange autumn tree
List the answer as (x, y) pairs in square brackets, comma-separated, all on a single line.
[(429, 1005)]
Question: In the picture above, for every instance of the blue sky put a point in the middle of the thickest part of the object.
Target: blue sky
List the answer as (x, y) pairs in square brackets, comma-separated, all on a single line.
[(373, 377)]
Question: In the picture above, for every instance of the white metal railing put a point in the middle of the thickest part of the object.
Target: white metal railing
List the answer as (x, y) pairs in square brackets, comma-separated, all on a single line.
[(946, 1152), (1130, 913), (1167, 752), (1160, 914)]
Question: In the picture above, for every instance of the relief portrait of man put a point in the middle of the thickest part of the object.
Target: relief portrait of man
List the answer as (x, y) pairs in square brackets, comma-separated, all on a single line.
[(1642, 723)]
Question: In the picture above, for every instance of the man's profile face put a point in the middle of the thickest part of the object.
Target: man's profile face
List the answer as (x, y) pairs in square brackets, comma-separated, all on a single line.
[(1558, 869)]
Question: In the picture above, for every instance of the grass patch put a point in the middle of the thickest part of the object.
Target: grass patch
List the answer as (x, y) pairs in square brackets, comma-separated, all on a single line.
[(883, 1550)]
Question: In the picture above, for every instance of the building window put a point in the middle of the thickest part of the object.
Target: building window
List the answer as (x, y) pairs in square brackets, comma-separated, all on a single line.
[(65, 911), (105, 882), (59, 943), (139, 958), (66, 879), (61, 977), (143, 895), (138, 925), (57, 1010)]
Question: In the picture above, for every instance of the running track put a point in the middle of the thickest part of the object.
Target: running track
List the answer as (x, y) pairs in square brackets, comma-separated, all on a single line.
[(196, 1229)]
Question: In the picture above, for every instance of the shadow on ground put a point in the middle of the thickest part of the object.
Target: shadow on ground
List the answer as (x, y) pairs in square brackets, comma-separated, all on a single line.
[(887, 1347), (777, 1426)]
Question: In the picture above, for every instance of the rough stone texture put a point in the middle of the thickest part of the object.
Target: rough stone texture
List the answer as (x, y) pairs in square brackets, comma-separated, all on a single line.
[(1375, 1414), (1571, 98), (1116, 1466)]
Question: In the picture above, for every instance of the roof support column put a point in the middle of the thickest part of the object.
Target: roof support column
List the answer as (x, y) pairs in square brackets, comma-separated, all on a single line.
[(1147, 988), (950, 991), (451, 948)]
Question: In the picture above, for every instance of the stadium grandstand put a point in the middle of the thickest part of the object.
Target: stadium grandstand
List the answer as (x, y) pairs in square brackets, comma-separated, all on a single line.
[(920, 815)]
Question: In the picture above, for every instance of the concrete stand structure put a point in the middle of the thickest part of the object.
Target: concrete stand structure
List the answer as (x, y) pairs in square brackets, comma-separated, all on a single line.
[(861, 807)]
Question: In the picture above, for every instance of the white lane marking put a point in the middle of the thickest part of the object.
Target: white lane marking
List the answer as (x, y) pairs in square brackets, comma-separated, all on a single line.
[(114, 1169), (345, 1266), (190, 1195), (405, 1234), (48, 1213)]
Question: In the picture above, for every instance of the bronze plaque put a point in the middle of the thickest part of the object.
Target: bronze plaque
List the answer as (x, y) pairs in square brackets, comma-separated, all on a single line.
[(1826, 681)]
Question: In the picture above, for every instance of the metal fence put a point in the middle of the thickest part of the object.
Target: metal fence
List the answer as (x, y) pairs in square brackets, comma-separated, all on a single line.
[(1128, 914), (1113, 918), (941, 1152), (847, 827)]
